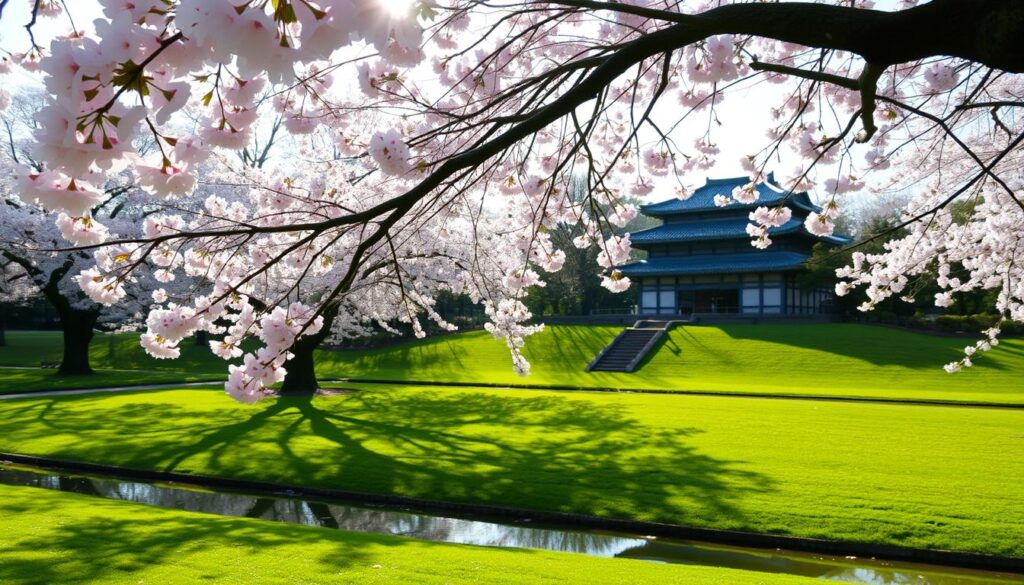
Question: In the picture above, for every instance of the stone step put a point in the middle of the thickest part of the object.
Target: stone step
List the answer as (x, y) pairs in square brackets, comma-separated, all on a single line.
[(626, 350)]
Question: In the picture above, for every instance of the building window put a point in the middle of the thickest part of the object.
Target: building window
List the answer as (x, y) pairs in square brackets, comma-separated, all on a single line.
[(649, 300), (751, 300), (668, 299)]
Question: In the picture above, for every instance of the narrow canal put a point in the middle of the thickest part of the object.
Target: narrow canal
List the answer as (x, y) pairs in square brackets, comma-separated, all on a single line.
[(463, 530)]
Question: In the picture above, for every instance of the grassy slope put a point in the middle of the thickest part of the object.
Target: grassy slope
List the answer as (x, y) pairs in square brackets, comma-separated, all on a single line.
[(923, 476), (826, 359), (119, 351), (117, 359), (52, 537), (837, 360)]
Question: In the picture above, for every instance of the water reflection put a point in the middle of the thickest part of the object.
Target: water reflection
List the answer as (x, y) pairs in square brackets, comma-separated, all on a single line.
[(502, 534)]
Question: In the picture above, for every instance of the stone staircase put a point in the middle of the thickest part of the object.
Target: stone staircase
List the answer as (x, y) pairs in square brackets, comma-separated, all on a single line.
[(629, 348)]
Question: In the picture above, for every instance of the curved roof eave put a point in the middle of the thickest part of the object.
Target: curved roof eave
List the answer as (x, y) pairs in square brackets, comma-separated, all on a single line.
[(702, 199), (754, 261)]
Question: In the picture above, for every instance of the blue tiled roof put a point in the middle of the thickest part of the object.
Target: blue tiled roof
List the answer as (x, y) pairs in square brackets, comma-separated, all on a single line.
[(703, 199), (753, 261), (718, 229)]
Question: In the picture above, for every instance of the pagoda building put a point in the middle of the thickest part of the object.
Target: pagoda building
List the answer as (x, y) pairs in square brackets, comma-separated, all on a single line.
[(700, 260)]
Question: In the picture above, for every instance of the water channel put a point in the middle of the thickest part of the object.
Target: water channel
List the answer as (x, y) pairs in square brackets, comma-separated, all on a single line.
[(503, 533)]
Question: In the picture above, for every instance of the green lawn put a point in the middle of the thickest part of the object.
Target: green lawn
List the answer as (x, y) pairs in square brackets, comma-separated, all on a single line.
[(114, 351), (818, 359), (52, 537), (117, 358), (920, 476)]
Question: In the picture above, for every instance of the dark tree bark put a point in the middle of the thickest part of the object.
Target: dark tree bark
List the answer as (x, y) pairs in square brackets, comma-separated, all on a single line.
[(3, 325), (301, 377), (984, 31), (77, 325), (78, 332)]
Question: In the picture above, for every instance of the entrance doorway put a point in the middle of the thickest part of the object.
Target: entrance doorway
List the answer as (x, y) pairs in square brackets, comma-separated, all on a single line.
[(717, 301), (685, 302)]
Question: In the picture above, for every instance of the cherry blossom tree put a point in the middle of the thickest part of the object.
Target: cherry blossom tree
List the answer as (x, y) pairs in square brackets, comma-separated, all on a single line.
[(483, 112), (32, 250), (15, 288), (37, 261)]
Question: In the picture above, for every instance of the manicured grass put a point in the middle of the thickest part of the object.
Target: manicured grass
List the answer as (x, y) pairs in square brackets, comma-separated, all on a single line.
[(113, 351), (817, 359), (921, 476), (52, 537), (117, 359)]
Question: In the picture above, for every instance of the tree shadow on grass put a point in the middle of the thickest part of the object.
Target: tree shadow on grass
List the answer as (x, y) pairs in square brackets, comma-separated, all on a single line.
[(547, 452), (110, 542), (876, 344), (381, 362), (574, 346)]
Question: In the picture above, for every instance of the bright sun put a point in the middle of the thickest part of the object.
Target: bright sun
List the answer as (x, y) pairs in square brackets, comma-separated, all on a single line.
[(397, 7)]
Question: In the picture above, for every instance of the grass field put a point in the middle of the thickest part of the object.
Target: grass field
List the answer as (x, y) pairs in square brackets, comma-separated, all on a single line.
[(52, 537), (920, 476), (117, 359), (822, 359)]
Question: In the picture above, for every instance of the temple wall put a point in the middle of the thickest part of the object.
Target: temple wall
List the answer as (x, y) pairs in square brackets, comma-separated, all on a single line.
[(749, 294)]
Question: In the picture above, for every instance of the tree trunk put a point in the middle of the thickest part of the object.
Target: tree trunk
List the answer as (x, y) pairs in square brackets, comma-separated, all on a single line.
[(3, 325), (78, 332), (301, 377), (77, 325)]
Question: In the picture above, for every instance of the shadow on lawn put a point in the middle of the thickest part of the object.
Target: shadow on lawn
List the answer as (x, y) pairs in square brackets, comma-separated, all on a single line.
[(876, 344), (105, 545), (547, 452), (452, 357), (382, 361)]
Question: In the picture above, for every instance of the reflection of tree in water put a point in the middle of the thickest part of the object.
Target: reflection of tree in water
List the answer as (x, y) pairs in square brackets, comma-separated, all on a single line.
[(480, 533), (64, 483), (437, 528), (181, 499), (292, 512), (486, 534)]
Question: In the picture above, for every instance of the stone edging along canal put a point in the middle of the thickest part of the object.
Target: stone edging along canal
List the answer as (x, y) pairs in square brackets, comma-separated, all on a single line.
[(562, 519)]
